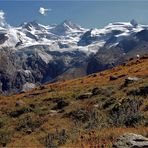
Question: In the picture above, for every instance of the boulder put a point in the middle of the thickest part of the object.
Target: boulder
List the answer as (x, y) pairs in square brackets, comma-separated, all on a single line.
[(101, 91), (19, 103), (60, 105), (111, 78), (142, 91), (28, 86), (29, 131), (130, 140), (84, 96), (130, 80), (95, 91)]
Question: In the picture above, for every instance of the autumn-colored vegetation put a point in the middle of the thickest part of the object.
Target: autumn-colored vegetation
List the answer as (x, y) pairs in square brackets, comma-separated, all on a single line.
[(85, 112)]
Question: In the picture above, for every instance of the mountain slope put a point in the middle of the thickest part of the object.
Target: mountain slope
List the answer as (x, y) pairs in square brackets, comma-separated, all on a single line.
[(38, 54), (92, 110)]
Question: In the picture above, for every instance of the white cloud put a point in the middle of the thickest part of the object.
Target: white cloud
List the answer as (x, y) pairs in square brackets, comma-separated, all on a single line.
[(3, 22), (43, 11), (2, 18)]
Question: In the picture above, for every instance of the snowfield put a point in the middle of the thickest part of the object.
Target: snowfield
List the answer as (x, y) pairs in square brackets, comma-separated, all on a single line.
[(65, 36)]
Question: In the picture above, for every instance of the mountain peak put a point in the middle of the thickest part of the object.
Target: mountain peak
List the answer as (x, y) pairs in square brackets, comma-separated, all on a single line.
[(134, 23), (34, 22), (30, 25), (65, 27), (70, 24), (66, 21)]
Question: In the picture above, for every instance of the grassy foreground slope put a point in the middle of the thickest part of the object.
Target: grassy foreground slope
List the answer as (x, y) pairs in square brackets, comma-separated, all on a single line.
[(84, 112)]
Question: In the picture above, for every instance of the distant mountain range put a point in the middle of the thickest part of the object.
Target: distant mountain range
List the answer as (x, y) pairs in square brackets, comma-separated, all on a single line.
[(32, 54)]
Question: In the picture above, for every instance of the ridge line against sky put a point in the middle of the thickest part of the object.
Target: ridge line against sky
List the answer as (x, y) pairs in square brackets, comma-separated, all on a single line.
[(88, 14)]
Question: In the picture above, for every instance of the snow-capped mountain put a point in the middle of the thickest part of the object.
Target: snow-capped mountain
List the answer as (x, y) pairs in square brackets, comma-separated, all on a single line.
[(67, 34), (67, 28), (32, 53), (33, 33)]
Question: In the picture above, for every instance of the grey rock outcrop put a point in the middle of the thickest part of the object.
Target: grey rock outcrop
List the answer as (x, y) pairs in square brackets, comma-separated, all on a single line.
[(130, 80), (28, 86), (130, 140)]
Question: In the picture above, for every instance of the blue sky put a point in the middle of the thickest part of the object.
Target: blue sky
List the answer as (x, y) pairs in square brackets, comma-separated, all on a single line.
[(88, 14)]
